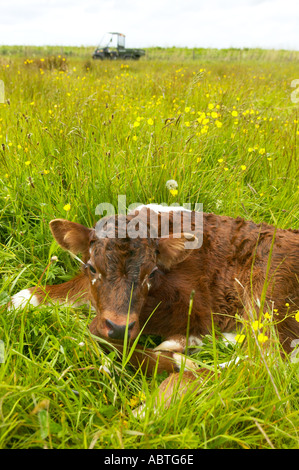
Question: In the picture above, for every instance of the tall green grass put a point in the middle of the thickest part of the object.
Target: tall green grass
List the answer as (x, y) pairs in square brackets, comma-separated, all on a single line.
[(75, 133)]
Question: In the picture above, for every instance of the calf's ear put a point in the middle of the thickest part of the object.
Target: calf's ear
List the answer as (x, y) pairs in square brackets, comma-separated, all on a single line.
[(175, 249), (70, 235)]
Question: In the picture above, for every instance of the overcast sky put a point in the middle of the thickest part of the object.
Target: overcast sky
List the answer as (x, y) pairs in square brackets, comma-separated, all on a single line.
[(191, 23)]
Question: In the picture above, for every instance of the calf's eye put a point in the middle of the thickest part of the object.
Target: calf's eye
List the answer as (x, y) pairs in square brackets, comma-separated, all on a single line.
[(151, 275), (92, 269)]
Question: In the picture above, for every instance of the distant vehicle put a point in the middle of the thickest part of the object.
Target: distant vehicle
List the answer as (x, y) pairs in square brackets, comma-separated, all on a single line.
[(113, 47)]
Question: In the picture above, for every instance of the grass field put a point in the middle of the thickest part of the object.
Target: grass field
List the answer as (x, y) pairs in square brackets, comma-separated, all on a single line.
[(75, 133)]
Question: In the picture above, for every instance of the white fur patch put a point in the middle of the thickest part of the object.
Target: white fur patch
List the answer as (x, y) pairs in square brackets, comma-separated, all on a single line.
[(139, 412), (229, 337), (173, 345), (169, 345), (20, 299), (195, 341), (227, 364), (182, 362), (23, 297)]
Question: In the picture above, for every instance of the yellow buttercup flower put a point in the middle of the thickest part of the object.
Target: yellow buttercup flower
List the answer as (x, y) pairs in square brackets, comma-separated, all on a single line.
[(135, 400), (262, 338), (150, 122), (67, 207), (173, 192), (256, 325), (239, 338)]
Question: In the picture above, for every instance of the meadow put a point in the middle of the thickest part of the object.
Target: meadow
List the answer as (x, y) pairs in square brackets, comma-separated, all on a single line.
[(75, 133)]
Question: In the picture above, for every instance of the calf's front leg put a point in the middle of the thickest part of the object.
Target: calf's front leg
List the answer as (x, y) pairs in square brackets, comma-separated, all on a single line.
[(178, 343), (72, 292), (166, 357), (151, 361)]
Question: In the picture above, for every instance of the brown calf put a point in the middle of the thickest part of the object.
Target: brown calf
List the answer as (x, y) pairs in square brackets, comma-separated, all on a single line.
[(144, 284)]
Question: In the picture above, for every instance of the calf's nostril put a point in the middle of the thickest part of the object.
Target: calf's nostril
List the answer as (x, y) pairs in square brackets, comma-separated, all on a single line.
[(118, 331), (130, 326), (110, 324)]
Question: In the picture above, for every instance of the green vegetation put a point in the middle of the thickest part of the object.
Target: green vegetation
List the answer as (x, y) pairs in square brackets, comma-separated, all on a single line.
[(75, 133)]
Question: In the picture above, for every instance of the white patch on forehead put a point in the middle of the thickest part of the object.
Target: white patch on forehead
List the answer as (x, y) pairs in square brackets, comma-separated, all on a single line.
[(159, 208), (145, 280), (96, 279)]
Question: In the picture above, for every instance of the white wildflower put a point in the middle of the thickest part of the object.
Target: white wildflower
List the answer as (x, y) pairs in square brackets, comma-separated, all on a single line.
[(171, 184)]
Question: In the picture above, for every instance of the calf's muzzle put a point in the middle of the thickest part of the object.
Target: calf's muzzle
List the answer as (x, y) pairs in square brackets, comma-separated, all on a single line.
[(118, 331)]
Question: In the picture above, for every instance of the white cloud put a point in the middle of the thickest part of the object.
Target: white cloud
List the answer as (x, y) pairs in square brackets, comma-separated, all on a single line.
[(216, 23)]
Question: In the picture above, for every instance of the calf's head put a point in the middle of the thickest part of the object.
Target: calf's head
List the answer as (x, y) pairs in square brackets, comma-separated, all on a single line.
[(120, 271)]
